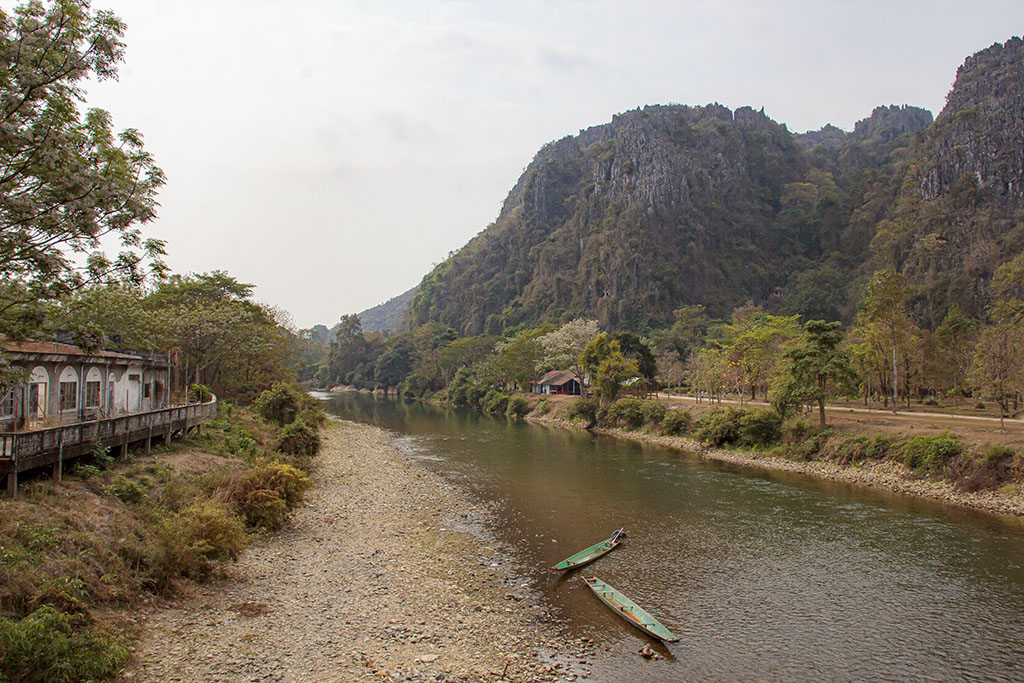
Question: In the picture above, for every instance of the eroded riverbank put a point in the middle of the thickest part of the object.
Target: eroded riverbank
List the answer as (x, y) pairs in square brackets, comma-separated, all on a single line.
[(379, 577)]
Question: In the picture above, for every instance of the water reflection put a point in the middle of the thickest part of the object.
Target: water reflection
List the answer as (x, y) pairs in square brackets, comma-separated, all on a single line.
[(763, 575)]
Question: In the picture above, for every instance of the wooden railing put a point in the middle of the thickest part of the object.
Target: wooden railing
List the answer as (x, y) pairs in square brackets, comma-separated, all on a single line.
[(21, 451)]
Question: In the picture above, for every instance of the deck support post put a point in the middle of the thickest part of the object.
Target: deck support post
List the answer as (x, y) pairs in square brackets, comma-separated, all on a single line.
[(149, 440), (124, 448), (12, 483), (167, 436), (58, 467)]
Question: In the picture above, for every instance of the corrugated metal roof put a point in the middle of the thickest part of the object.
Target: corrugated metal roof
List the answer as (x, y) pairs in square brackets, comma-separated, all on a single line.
[(557, 378)]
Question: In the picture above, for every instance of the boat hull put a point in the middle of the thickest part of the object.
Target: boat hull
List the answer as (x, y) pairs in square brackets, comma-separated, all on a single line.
[(629, 610), (588, 555)]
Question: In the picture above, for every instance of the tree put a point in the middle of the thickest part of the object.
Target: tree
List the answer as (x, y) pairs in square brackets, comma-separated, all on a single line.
[(394, 364), (815, 369), (885, 307), (998, 366), (757, 340), (562, 348), (348, 349), (635, 348), (953, 344), (518, 358), (66, 179)]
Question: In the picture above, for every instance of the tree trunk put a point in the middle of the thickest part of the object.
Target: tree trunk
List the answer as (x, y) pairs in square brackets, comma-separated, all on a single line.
[(895, 375), (821, 411)]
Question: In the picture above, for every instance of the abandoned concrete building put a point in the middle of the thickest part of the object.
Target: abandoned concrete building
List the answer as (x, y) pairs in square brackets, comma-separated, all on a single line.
[(73, 400)]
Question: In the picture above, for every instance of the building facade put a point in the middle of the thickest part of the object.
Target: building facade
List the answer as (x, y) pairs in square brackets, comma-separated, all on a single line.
[(66, 384)]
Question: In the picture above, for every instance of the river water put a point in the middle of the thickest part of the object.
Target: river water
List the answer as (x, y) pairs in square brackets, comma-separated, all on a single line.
[(764, 576)]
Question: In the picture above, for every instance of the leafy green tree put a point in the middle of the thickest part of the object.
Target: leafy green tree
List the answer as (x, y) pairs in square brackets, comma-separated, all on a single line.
[(952, 351), (998, 366), (394, 364), (884, 313), (348, 350), (635, 348), (815, 370), (756, 343), (518, 358), (66, 179)]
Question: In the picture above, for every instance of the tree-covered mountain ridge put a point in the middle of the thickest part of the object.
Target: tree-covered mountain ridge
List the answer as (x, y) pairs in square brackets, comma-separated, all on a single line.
[(667, 206)]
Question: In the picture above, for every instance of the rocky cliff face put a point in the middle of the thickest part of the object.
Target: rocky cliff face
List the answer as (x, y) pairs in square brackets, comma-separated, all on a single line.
[(672, 205), (960, 211), (980, 132)]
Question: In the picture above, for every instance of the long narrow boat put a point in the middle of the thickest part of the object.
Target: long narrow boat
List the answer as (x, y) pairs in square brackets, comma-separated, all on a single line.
[(629, 610), (592, 553)]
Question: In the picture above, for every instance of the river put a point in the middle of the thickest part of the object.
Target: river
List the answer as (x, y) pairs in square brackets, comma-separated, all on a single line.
[(764, 576)]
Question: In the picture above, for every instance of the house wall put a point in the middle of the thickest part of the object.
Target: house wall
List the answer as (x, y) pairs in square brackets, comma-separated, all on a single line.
[(124, 388)]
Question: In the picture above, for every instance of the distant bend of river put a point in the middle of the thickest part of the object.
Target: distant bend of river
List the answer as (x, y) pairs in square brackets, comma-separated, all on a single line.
[(764, 576)]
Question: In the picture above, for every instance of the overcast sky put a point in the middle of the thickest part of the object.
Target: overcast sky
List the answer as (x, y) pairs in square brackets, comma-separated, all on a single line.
[(332, 152)]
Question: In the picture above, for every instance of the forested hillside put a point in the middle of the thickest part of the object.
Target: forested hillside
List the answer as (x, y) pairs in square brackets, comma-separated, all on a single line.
[(668, 206)]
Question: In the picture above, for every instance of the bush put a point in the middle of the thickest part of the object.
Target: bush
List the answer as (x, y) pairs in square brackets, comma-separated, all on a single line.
[(495, 402), (719, 427), (583, 410), (543, 406), (929, 453), (190, 543), (654, 412), (518, 407), (760, 427), (299, 438), (199, 393), (48, 645), (126, 490), (794, 431), (269, 492), (283, 403), (628, 413), (677, 422)]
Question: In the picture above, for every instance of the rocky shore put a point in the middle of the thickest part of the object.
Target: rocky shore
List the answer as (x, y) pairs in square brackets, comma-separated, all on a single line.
[(386, 575), (886, 475)]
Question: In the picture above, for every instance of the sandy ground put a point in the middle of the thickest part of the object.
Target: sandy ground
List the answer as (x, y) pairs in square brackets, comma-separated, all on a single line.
[(385, 575)]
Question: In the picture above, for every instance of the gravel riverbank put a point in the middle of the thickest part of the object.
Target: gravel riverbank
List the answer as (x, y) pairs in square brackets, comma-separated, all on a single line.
[(383, 576)]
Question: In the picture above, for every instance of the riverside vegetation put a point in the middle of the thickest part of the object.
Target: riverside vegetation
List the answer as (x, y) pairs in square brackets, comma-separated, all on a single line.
[(76, 557)]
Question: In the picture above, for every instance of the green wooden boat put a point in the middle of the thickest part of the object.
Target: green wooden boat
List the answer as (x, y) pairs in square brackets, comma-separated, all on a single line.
[(592, 553), (629, 610)]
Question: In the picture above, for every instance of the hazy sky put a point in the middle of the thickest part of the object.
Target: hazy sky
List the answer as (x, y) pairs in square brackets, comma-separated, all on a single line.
[(331, 152)]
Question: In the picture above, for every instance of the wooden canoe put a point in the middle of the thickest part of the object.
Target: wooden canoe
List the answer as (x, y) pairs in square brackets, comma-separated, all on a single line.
[(629, 610), (592, 553)]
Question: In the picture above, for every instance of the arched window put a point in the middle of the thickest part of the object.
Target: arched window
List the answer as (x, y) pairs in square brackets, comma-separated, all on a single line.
[(68, 389), (93, 383), (38, 393)]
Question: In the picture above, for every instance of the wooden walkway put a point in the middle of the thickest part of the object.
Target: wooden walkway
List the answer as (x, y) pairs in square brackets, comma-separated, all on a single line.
[(53, 446)]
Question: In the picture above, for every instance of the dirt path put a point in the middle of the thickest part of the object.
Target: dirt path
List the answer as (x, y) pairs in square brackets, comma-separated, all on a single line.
[(377, 579)]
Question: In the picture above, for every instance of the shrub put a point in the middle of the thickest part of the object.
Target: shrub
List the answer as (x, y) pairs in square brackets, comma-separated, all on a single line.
[(719, 427), (126, 490), (583, 410), (284, 402), (543, 406), (269, 492), (929, 453), (518, 406), (495, 402), (677, 422), (654, 412), (627, 413), (191, 542), (299, 438), (795, 431), (760, 427), (199, 393), (879, 447), (48, 645)]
